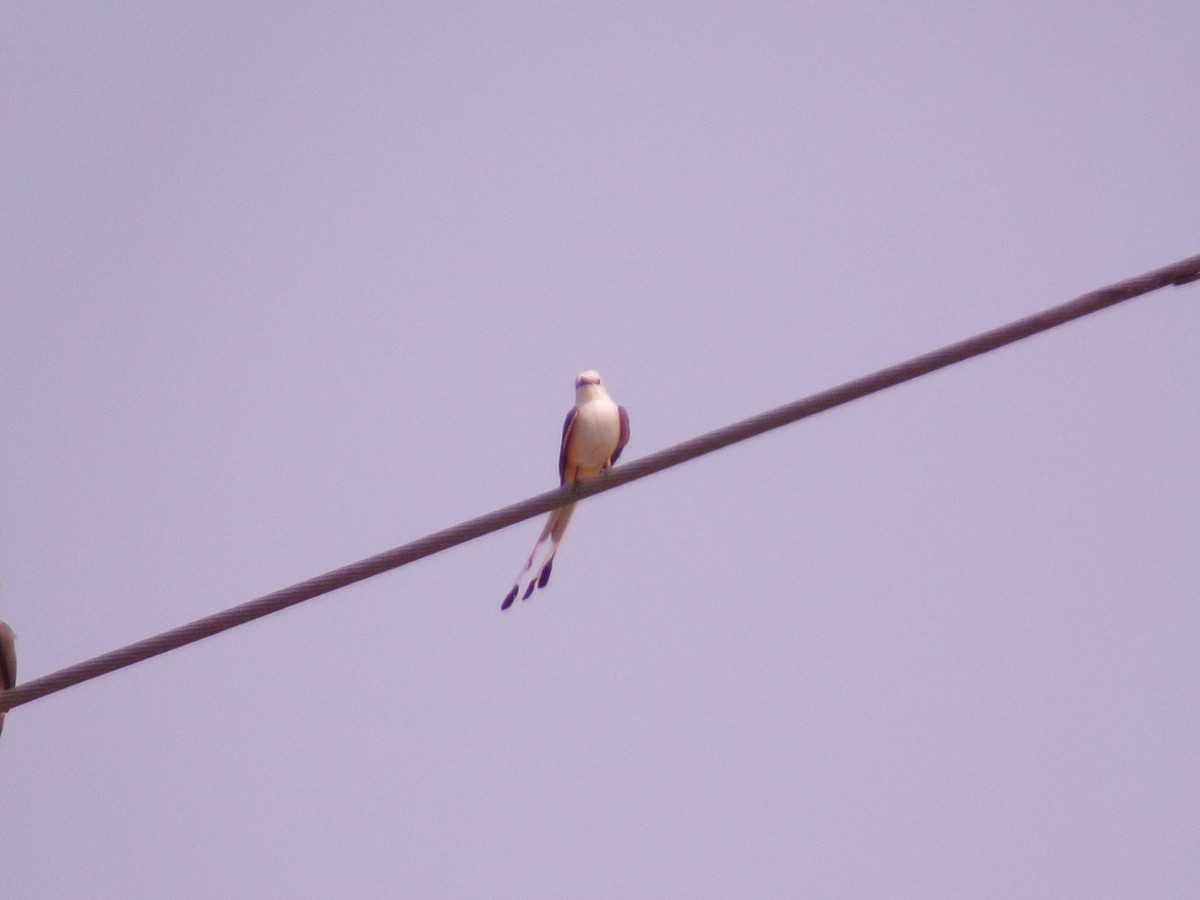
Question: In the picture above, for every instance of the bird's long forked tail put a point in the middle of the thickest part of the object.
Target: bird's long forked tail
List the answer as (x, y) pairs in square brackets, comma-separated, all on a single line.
[(556, 527)]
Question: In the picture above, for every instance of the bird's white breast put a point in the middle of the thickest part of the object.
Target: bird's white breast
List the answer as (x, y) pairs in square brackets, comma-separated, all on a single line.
[(595, 434)]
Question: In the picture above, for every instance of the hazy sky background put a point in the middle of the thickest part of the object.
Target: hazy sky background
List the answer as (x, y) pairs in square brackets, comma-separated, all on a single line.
[(286, 286)]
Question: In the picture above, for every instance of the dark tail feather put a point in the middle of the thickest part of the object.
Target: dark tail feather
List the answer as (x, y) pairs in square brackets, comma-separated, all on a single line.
[(545, 576), (508, 601)]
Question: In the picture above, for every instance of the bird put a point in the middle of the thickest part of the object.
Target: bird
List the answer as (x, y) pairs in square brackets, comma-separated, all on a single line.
[(8, 662), (595, 432)]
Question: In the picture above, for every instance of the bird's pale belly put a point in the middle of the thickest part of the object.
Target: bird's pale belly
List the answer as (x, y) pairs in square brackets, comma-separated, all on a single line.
[(595, 434)]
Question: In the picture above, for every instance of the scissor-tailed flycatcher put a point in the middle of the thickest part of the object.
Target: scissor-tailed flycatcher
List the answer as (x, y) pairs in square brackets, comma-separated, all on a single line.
[(594, 434), (8, 662)]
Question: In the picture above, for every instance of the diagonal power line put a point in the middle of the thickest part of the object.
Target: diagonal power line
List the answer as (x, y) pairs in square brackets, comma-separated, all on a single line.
[(1179, 273)]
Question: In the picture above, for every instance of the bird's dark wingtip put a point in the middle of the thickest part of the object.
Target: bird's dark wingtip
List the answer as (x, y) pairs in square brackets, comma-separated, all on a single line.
[(544, 578), (529, 590), (508, 601)]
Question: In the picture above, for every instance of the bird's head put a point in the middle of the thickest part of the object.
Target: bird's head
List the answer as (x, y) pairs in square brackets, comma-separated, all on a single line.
[(587, 385)]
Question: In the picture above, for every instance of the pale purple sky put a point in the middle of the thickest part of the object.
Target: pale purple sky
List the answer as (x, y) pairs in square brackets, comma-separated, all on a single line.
[(285, 287)]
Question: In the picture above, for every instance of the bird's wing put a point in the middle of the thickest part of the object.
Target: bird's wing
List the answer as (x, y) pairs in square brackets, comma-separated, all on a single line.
[(624, 438), (566, 440), (8, 658)]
